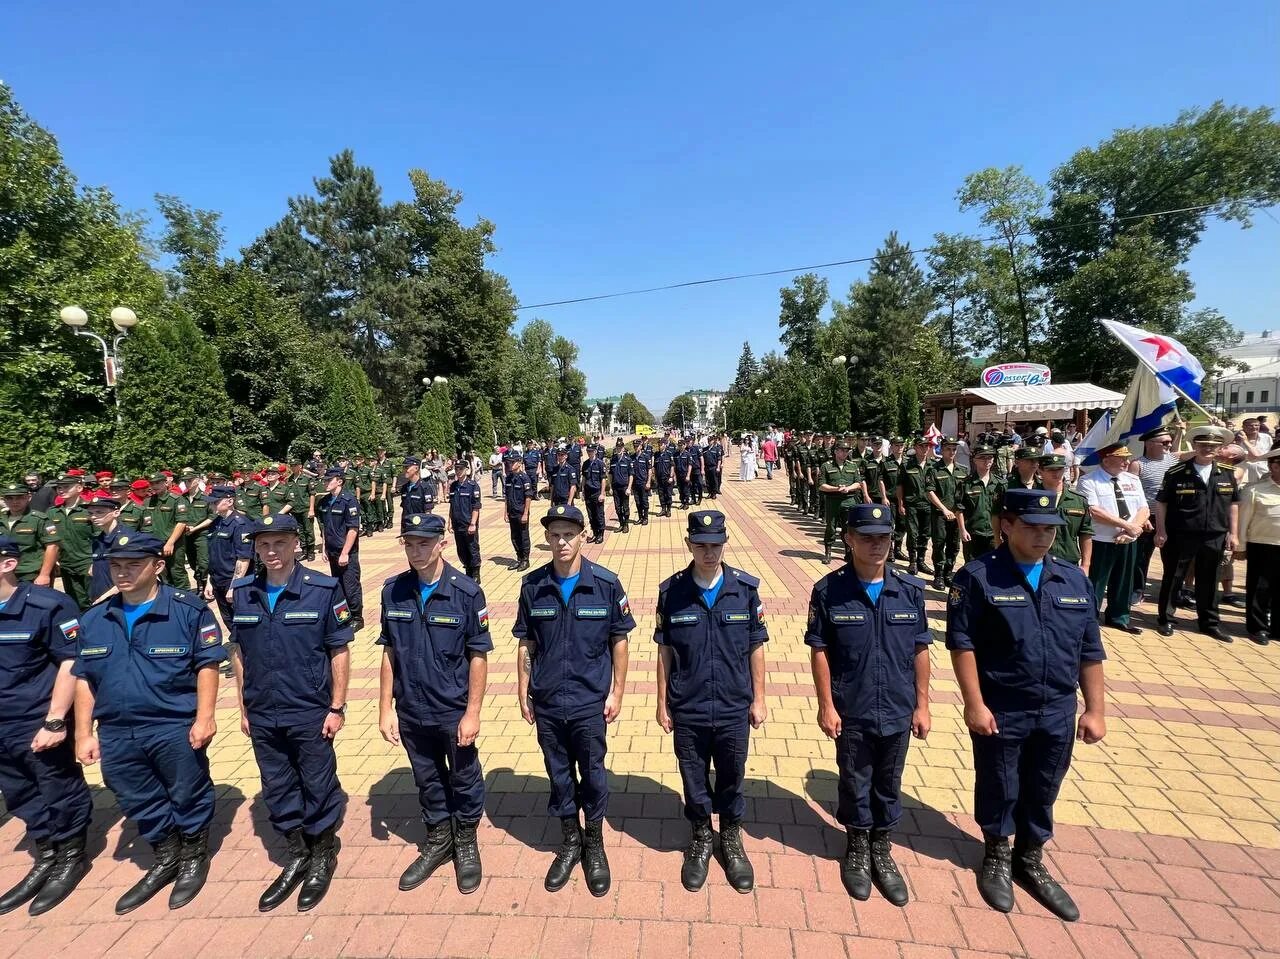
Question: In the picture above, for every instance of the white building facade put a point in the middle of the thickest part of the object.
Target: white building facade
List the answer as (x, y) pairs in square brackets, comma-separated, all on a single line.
[(1256, 390)]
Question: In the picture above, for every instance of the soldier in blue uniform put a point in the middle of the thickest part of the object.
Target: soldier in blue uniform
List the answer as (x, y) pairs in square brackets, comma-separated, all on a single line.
[(684, 473), (593, 474), (42, 784), (574, 455), (697, 480), (230, 549), (435, 644), (572, 624), (664, 476), (563, 480), (340, 530), (519, 491), (1023, 633), (104, 514), (416, 496), (147, 667), (291, 632), (642, 471), (621, 479), (464, 517), (870, 660), (711, 635), (532, 464), (712, 464)]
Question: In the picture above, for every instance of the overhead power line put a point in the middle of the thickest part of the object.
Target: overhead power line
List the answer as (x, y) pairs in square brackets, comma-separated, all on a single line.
[(823, 266)]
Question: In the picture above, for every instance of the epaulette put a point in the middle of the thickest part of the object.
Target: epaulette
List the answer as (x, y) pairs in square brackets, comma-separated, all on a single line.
[(915, 581), (391, 579), (46, 597), (1180, 465), (746, 578), (465, 583), (242, 581), (319, 579), (608, 575), (190, 599)]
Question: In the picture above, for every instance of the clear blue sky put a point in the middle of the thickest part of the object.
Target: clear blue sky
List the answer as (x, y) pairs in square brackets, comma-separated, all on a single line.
[(620, 148)]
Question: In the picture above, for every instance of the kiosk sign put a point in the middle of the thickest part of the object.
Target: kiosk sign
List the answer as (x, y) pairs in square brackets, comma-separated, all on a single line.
[(1016, 374)]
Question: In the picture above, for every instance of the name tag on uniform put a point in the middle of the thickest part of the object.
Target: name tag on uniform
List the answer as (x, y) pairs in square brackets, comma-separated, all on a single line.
[(1224, 487), (222, 535), (93, 652), (543, 612), (306, 616), (15, 637), (166, 650), (1007, 599), (444, 619), (912, 472), (736, 617), (903, 616), (1072, 602), (1186, 492), (245, 618), (1075, 512), (848, 617), (592, 612), (683, 619), (398, 613)]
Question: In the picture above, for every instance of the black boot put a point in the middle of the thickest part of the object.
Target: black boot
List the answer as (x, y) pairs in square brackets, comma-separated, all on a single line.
[(898, 553), (34, 880), (995, 880), (324, 861), (826, 555), (1029, 870), (595, 864), (162, 872), (855, 870), (69, 867), (938, 582), (924, 566), (947, 576), (193, 869), (568, 856), (884, 870), (737, 867), (696, 858), (292, 874), (912, 568), (466, 857), (434, 851)]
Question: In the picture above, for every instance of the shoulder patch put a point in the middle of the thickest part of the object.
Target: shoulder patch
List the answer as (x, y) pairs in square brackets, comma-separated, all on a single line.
[(747, 578), (242, 581), (608, 575), (190, 599), (321, 579)]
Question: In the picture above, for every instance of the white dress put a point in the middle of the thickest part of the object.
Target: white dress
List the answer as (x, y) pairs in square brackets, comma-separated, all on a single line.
[(747, 470)]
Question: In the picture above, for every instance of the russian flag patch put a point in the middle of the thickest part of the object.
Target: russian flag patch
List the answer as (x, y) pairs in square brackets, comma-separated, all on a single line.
[(624, 604), (483, 617), (342, 612), (70, 629)]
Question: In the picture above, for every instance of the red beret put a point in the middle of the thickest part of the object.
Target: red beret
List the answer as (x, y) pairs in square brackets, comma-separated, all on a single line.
[(75, 472), (104, 474), (139, 485)]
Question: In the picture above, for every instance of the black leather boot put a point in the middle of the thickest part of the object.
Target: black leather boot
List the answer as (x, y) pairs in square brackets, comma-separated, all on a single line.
[(697, 857), (737, 867), (162, 872), (884, 870), (69, 866), (1029, 870), (567, 857), (466, 857), (324, 861), (938, 582), (595, 864), (855, 870), (292, 874), (947, 575), (826, 554), (912, 568), (34, 880), (433, 852), (193, 869), (924, 566), (898, 552), (995, 879)]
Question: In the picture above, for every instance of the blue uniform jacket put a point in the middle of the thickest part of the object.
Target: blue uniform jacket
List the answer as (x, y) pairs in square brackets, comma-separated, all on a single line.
[(517, 489), (531, 460), (665, 463), (641, 464), (575, 455), (416, 497), (430, 645), (621, 472), (710, 679), (563, 478), (287, 677), (147, 677), (593, 475), (1029, 644), (38, 627), (100, 568), (464, 498), (337, 515), (684, 460), (228, 541), (871, 648), (572, 662), (695, 458), (711, 456)]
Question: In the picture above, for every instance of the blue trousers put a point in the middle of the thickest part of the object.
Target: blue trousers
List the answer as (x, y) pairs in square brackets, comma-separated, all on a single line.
[(1017, 774), (595, 511), (45, 790), (449, 777), (870, 790), (350, 577), (161, 783), (574, 751), (299, 776), (698, 748)]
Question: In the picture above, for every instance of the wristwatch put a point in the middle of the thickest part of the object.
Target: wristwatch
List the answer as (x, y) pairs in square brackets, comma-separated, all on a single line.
[(339, 710), (54, 725)]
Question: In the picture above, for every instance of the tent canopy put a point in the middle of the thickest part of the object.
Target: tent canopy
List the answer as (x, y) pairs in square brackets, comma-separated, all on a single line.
[(1037, 402)]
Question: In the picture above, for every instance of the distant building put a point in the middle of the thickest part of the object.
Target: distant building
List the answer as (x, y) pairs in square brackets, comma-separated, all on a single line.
[(595, 423), (1256, 390), (709, 403)]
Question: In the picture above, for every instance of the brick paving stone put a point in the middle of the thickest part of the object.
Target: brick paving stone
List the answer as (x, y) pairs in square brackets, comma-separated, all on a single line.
[(1153, 945), (760, 942), (1213, 923), (935, 924), (1216, 950), (516, 936), (421, 937), (1150, 914), (818, 945), (1099, 941), (615, 938), (830, 912), (469, 936), (664, 940), (1044, 938), (716, 939), (142, 939), (374, 936), (987, 930), (564, 938), (880, 919)]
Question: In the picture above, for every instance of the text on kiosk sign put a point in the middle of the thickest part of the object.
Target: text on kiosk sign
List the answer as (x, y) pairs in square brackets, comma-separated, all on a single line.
[(1016, 374)]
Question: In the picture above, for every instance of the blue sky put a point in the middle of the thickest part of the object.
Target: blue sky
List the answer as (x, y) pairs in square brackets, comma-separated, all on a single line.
[(620, 148)]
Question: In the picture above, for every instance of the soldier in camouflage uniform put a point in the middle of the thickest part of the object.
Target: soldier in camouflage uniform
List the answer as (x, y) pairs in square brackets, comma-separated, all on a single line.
[(841, 484), (914, 505), (980, 501), (945, 480)]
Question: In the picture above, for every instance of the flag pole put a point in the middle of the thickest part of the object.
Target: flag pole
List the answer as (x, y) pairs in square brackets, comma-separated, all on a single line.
[(1173, 386)]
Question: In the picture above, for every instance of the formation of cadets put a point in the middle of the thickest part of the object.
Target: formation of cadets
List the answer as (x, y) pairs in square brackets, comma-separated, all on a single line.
[(141, 665)]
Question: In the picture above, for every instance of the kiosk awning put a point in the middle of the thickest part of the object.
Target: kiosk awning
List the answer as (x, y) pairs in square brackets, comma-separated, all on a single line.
[(1054, 398)]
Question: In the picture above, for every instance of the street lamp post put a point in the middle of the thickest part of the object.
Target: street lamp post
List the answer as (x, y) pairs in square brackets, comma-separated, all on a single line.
[(123, 319)]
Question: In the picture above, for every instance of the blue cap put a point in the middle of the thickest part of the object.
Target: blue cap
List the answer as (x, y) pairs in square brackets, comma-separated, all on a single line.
[(570, 514), (135, 546), (421, 524), (8, 547), (219, 492), (411, 461), (707, 526), (333, 471), (312, 466), (870, 519), (275, 523), (1034, 506)]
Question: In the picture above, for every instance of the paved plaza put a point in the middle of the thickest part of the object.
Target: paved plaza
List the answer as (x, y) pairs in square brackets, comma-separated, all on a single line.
[(1168, 840)]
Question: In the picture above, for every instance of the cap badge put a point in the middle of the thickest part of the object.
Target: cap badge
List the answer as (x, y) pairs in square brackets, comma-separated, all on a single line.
[(876, 513), (706, 521), (268, 520), (123, 541), (1044, 501), (559, 509), (417, 520)]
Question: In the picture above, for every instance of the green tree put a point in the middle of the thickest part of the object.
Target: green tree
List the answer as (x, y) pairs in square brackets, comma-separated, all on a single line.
[(682, 411), (606, 416), (172, 399), (953, 266), (483, 432), (1122, 220), (435, 425), (800, 317), (632, 411), (748, 372), (908, 408)]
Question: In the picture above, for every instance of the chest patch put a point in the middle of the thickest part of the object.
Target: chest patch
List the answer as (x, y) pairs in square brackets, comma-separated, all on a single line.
[(444, 619), (903, 616), (591, 612), (93, 652), (543, 612), (246, 618), (166, 650), (15, 637), (848, 617), (1007, 599), (736, 617), (398, 613), (683, 619), (1072, 602), (304, 616)]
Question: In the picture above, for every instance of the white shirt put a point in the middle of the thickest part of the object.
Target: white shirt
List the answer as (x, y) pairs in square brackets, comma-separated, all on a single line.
[(1097, 490), (1257, 469)]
